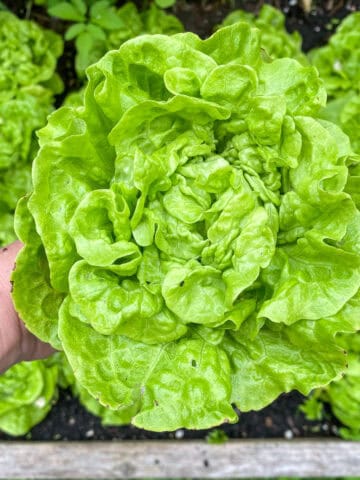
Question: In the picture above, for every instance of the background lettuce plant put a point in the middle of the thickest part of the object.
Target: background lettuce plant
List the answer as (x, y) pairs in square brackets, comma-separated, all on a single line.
[(276, 41), (100, 26), (28, 81), (191, 238), (339, 66), (27, 392), (343, 396), (28, 56), (20, 117)]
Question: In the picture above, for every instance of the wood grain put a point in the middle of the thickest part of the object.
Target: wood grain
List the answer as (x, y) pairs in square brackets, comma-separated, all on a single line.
[(243, 458)]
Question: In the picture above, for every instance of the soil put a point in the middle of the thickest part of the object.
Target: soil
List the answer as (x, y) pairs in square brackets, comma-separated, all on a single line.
[(68, 420)]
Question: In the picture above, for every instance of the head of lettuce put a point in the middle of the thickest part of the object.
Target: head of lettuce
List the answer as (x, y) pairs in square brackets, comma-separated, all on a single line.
[(190, 242)]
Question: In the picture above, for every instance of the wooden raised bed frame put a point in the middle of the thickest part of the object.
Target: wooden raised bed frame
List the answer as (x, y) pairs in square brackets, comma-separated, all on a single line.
[(174, 459)]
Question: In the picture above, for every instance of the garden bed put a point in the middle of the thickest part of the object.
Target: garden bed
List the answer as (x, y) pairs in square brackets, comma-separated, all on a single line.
[(245, 459)]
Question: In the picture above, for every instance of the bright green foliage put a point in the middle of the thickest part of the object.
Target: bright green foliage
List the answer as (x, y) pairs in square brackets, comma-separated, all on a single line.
[(27, 392), (20, 117), (217, 436), (165, 3), (67, 380), (73, 10), (275, 40), (339, 66), (100, 26), (195, 244), (339, 61), (28, 56), (108, 416), (313, 406), (345, 112), (75, 99), (152, 20), (343, 395)]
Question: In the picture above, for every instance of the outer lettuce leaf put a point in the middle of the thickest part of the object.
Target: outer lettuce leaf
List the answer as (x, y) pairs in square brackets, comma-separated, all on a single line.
[(305, 346), (67, 380), (109, 417), (31, 280), (74, 99), (312, 280), (343, 395), (345, 111), (281, 359), (197, 219), (184, 383), (350, 123)]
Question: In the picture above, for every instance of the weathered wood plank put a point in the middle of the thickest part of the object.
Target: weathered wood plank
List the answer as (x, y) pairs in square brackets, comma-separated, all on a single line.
[(118, 460)]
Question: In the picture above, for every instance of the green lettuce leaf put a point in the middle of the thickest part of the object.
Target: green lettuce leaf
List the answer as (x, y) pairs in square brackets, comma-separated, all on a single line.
[(343, 395), (282, 358)]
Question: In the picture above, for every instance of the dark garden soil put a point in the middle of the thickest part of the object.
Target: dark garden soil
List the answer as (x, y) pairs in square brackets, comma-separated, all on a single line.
[(68, 420)]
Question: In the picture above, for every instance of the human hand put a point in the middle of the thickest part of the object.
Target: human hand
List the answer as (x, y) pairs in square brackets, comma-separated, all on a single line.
[(16, 342)]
